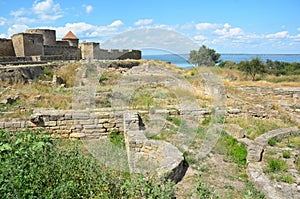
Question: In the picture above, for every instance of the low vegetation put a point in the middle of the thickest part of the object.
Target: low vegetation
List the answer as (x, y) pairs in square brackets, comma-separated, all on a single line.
[(34, 166)]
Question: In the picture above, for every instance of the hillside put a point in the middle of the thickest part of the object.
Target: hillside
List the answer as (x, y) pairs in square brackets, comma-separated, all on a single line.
[(239, 138)]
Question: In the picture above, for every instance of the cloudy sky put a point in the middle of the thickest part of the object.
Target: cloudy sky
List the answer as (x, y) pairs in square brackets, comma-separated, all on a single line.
[(231, 26)]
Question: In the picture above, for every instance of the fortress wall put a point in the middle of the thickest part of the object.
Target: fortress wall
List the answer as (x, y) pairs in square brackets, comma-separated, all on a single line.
[(49, 36), (28, 44), (6, 48), (18, 45), (119, 54), (92, 50), (67, 52), (89, 49), (62, 43)]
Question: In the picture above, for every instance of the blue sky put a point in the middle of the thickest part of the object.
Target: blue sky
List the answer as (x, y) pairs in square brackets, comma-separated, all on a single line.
[(231, 26)]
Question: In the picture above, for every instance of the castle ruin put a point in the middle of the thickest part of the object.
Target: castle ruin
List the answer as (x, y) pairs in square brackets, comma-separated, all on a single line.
[(38, 45)]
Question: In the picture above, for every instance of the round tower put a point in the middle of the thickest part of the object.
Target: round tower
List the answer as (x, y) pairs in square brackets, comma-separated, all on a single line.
[(49, 36), (71, 38)]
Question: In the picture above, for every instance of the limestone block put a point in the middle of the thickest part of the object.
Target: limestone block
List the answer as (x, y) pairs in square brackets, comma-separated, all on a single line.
[(68, 116), (102, 121), (94, 131), (50, 123), (86, 122), (30, 124), (89, 126), (109, 125), (53, 128), (2, 125), (16, 124), (22, 123), (64, 136), (7, 124), (235, 131), (102, 115), (53, 117), (234, 111), (63, 131), (76, 126), (77, 135), (81, 115)]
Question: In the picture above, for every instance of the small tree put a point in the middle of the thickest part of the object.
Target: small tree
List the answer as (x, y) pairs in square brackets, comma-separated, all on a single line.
[(204, 56), (253, 67)]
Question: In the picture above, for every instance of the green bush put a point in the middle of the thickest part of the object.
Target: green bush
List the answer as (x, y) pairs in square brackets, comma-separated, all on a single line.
[(117, 139), (286, 154), (32, 165), (233, 151)]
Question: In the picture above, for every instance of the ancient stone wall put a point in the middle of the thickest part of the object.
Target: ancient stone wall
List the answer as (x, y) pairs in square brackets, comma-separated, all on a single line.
[(81, 124), (49, 36), (89, 50), (67, 52), (6, 48), (28, 44), (119, 54), (92, 50)]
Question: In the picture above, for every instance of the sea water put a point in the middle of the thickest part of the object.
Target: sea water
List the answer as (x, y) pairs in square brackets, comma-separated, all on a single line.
[(181, 60)]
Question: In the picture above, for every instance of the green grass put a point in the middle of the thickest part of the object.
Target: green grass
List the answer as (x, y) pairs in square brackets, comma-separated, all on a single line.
[(286, 154), (202, 191), (233, 151), (176, 121), (255, 127), (117, 139), (272, 141), (34, 166), (276, 165)]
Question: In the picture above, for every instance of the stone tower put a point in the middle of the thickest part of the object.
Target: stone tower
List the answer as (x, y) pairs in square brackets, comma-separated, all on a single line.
[(27, 44), (49, 36), (71, 38)]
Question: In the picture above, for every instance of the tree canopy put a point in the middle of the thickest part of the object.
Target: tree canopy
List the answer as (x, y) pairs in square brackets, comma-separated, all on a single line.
[(204, 56), (254, 67)]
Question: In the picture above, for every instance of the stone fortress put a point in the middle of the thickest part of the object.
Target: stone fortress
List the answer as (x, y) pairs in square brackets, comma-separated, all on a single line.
[(40, 45)]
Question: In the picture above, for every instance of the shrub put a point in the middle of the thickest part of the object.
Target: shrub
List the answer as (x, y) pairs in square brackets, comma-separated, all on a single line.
[(34, 166), (117, 138), (286, 154)]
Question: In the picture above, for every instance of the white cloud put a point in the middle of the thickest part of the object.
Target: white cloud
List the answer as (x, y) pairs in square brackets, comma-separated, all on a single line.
[(278, 35), (298, 29), (47, 10), (228, 32), (85, 31), (206, 26), (226, 25), (116, 23), (88, 8), (235, 31), (2, 21), (143, 22), (18, 13), (199, 37), (3, 36), (16, 28), (296, 37)]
